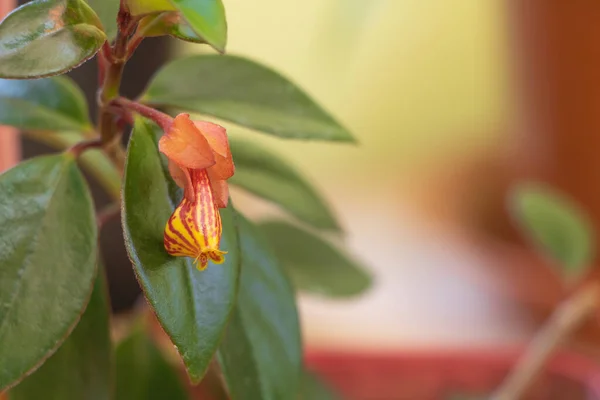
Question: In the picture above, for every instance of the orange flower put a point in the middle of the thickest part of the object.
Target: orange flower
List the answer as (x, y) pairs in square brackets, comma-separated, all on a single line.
[(200, 162)]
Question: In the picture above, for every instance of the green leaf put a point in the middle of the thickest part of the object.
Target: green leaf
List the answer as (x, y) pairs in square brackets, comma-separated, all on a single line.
[(264, 174), (107, 11), (143, 7), (143, 373), (555, 225), (97, 163), (81, 368), (261, 354), (48, 238), (192, 306), (171, 24), (94, 161), (315, 265), (174, 191), (48, 37), (52, 104), (313, 388), (241, 91), (205, 18)]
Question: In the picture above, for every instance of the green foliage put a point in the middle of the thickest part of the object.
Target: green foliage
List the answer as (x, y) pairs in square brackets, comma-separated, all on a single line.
[(242, 91), (192, 306), (48, 255), (81, 368), (142, 371), (52, 104), (261, 354), (94, 161), (174, 192), (195, 19), (315, 265), (555, 225), (264, 174), (54, 320), (144, 7), (48, 37), (169, 23), (207, 19), (54, 111), (107, 12)]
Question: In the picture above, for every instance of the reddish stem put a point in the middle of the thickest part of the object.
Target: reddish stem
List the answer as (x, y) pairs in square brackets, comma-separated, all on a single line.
[(84, 145), (133, 44), (124, 19), (163, 120), (122, 113), (115, 58), (106, 52), (108, 213), (103, 57)]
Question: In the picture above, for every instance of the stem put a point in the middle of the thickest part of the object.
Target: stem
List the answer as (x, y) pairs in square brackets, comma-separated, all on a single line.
[(565, 319), (116, 58), (123, 114), (163, 120), (84, 145), (134, 42), (108, 179), (111, 211), (103, 61)]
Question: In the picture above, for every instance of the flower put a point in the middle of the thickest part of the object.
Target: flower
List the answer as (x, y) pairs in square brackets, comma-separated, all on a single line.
[(200, 162)]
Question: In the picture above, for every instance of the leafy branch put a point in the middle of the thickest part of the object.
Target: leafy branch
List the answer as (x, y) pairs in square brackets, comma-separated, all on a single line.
[(54, 322)]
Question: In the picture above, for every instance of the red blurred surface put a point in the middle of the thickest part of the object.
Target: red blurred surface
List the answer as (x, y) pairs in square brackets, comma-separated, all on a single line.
[(441, 374)]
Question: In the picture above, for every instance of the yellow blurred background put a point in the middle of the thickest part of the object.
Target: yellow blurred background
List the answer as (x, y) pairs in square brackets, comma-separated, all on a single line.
[(424, 87)]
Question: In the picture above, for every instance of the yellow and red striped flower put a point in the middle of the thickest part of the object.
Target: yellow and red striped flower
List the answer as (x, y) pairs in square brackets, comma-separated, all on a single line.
[(200, 162)]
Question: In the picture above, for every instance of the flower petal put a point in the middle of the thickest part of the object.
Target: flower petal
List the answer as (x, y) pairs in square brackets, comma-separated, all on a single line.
[(223, 168), (194, 229), (220, 190), (180, 175), (185, 145), (182, 178), (216, 136)]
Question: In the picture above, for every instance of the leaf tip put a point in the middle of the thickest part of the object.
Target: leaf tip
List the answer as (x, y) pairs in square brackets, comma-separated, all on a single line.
[(343, 135), (195, 376), (220, 47)]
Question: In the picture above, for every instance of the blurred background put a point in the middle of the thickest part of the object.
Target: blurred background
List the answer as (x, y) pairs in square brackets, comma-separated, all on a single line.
[(423, 86), (451, 103)]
